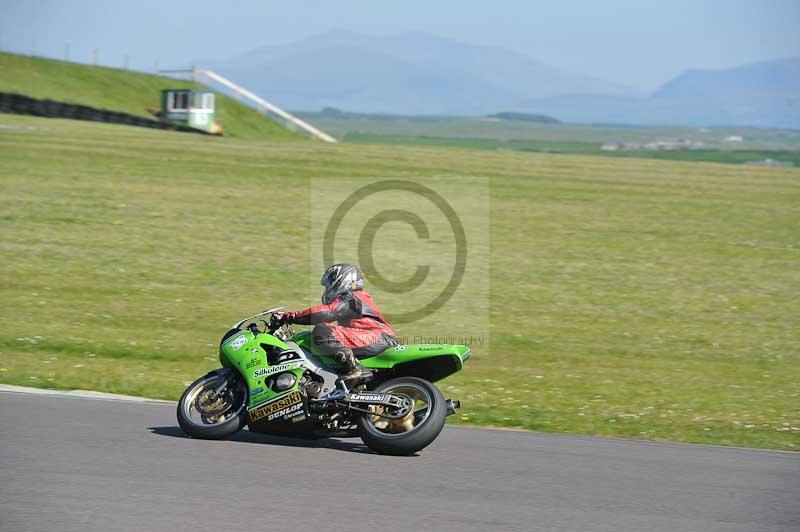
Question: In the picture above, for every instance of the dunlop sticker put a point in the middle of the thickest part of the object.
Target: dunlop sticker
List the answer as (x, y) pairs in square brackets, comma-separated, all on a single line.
[(275, 406), (286, 413)]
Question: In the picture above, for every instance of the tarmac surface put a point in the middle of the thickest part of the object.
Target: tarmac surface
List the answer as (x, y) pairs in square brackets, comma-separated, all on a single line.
[(71, 463)]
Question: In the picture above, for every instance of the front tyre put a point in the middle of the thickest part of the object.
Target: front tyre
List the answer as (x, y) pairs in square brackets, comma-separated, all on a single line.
[(214, 406), (412, 432)]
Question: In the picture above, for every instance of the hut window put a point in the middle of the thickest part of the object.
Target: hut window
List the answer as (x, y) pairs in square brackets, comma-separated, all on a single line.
[(178, 101)]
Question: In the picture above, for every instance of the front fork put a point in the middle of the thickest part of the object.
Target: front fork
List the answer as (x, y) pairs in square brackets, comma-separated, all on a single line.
[(224, 373)]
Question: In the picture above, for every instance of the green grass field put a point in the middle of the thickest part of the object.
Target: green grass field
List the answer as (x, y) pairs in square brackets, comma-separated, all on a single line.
[(582, 148), (628, 297), (492, 134), (120, 90), (472, 129)]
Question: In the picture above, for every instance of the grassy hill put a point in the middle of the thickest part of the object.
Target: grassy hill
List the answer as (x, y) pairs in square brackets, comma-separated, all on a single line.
[(627, 297), (121, 90)]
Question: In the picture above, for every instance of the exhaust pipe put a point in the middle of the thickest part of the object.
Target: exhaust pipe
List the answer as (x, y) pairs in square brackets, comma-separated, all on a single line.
[(452, 405)]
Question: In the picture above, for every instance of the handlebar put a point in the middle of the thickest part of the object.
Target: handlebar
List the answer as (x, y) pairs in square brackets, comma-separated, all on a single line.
[(272, 325), (238, 324)]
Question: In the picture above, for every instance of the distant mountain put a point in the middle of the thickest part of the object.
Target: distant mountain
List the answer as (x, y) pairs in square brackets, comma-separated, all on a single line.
[(417, 73), (589, 108), (409, 73), (770, 79), (765, 94)]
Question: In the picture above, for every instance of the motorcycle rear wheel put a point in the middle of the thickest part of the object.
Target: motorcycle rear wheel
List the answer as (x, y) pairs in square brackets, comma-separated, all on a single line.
[(203, 416), (413, 432)]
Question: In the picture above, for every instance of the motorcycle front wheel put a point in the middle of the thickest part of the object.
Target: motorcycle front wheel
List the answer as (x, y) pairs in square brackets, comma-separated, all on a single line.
[(414, 430), (214, 406)]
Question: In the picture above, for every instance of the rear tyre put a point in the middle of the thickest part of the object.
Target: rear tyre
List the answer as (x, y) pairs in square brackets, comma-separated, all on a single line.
[(414, 431), (201, 414)]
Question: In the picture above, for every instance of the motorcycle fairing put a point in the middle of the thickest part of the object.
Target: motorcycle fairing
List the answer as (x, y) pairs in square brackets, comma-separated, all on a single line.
[(432, 362)]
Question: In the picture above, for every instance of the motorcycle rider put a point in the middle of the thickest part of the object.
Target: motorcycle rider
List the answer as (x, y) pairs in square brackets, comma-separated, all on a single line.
[(362, 331)]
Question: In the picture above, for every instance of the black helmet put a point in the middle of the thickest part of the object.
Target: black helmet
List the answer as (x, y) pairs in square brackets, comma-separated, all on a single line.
[(338, 279)]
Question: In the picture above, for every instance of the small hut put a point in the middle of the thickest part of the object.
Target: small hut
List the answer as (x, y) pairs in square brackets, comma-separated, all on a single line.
[(189, 107)]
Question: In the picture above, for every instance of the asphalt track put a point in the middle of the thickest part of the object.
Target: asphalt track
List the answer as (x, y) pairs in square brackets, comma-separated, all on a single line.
[(78, 464)]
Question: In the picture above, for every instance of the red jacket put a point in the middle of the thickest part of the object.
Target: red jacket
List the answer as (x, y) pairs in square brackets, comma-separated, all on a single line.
[(354, 310)]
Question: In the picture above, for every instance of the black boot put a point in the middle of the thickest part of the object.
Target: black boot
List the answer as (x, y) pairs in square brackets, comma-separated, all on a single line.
[(353, 370)]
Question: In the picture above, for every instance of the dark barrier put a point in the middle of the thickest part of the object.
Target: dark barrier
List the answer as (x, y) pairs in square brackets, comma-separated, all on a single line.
[(25, 105)]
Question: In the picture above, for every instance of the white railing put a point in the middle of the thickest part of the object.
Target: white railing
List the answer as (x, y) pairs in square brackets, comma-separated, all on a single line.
[(260, 103)]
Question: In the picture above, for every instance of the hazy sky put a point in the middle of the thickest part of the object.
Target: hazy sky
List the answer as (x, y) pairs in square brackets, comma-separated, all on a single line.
[(641, 43)]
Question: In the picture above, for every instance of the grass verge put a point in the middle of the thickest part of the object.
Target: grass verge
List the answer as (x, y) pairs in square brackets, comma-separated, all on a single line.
[(629, 297)]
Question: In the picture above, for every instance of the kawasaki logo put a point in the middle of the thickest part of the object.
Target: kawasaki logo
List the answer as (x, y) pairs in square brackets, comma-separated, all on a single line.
[(376, 397), (275, 406)]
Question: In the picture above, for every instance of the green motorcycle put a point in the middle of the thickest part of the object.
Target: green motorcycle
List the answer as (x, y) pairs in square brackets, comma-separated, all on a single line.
[(278, 382)]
